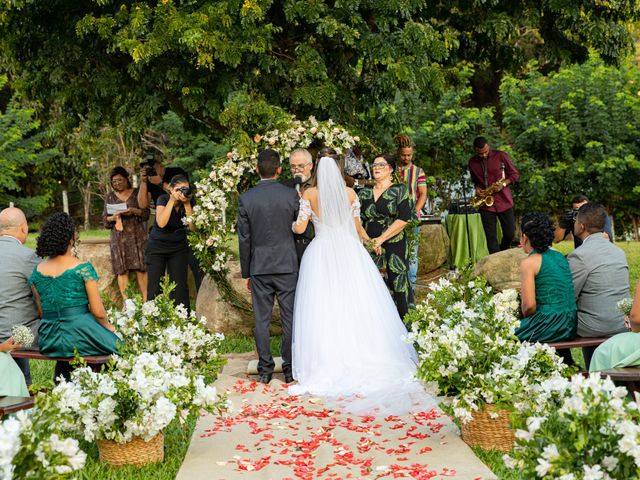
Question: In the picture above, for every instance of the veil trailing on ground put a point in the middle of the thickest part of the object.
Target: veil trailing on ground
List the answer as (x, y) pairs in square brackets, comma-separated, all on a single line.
[(335, 210), (348, 340)]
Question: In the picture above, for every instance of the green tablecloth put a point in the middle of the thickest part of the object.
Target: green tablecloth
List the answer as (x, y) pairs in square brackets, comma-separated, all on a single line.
[(457, 230)]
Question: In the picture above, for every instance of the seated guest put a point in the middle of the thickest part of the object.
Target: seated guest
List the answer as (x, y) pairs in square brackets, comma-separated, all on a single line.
[(548, 306), (622, 350), (66, 290), (13, 382), (600, 278), (17, 305)]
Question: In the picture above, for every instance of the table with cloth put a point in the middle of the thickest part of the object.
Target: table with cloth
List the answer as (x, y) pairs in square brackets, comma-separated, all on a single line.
[(457, 231)]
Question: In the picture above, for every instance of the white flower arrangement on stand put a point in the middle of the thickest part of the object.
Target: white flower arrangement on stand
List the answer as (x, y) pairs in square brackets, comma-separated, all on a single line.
[(464, 332), (582, 429)]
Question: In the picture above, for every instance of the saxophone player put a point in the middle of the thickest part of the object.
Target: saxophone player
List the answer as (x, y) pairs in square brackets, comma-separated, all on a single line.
[(493, 171)]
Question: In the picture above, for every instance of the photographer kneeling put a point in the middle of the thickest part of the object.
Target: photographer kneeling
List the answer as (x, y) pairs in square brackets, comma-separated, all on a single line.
[(167, 247)]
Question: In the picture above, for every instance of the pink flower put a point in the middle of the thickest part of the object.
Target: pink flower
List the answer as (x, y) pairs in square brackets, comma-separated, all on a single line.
[(301, 129), (257, 138), (209, 242), (272, 141), (230, 155), (313, 130)]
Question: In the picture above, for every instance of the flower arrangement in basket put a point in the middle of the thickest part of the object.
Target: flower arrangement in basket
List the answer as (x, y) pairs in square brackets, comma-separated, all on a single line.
[(133, 400), (32, 445), (578, 429), (464, 332)]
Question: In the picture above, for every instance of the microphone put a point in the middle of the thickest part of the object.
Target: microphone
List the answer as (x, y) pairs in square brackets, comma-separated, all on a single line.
[(297, 181)]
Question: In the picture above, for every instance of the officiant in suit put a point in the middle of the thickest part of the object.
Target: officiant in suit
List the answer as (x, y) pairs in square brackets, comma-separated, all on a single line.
[(301, 164), (268, 258)]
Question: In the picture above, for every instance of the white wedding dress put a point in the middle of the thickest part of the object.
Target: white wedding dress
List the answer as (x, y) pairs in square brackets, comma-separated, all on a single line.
[(348, 339)]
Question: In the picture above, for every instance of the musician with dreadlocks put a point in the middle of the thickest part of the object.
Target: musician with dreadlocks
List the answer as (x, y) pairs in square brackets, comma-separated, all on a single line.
[(415, 179)]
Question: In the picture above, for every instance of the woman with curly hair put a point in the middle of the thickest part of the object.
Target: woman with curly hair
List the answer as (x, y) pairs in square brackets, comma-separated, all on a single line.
[(67, 296), (548, 304)]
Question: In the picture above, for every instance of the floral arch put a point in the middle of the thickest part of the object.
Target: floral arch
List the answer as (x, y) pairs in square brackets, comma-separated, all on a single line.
[(216, 195)]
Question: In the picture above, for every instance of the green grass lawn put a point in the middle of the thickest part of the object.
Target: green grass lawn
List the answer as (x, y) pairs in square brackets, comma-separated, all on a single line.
[(84, 235)]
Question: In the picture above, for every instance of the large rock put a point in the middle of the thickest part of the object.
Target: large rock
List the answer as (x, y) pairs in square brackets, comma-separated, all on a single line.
[(98, 252), (502, 269), (223, 317), (433, 250)]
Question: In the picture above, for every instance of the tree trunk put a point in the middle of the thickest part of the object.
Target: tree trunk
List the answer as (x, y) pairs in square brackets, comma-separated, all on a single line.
[(634, 222), (86, 204)]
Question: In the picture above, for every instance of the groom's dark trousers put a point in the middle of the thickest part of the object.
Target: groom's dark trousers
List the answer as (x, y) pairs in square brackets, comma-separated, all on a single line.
[(268, 258)]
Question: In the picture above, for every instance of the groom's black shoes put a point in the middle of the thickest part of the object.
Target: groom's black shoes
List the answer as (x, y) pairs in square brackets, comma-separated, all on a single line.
[(288, 378), (265, 378)]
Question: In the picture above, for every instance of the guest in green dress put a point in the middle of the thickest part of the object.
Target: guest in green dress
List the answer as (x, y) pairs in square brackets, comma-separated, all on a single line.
[(623, 349), (13, 383), (385, 210), (548, 303), (66, 291)]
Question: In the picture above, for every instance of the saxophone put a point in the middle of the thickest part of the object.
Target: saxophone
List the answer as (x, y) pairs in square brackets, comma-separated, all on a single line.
[(485, 197)]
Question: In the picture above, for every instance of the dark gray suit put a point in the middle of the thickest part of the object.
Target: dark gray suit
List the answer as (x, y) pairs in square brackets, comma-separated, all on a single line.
[(268, 257), (17, 305)]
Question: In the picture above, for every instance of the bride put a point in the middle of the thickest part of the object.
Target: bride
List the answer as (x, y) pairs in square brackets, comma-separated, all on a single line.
[(348, 343)]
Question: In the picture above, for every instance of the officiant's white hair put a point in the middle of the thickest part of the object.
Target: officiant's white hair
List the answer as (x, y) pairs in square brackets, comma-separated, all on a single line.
[(335, 210)]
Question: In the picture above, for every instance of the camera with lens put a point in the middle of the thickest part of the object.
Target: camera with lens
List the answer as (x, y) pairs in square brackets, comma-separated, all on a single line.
[(186, 191), (148, 164), (567, 219)]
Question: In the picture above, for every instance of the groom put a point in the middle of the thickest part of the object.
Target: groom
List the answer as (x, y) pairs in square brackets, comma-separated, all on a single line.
[(268, 258)]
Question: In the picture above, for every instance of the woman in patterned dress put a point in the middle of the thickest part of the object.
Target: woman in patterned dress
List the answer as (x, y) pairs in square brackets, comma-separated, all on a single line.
[(128, 232), (385, 210)]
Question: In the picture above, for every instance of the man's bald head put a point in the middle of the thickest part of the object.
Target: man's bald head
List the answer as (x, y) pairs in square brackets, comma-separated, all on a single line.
[(14, 223)]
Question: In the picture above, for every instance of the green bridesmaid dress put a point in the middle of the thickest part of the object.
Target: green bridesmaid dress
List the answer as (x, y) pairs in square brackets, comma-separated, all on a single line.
[(67, 324), (555, 318), (621, 350), (12, 384)]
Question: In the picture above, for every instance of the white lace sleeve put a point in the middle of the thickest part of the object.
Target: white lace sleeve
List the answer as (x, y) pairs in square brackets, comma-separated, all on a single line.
[(304, 213), (355, 208)]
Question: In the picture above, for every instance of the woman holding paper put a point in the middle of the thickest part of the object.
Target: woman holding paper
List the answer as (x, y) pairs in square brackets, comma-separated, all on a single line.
[(128, 224)]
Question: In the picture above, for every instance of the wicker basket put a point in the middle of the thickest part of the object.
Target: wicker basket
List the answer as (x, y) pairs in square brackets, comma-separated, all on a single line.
[(489, 433), (135, 452)]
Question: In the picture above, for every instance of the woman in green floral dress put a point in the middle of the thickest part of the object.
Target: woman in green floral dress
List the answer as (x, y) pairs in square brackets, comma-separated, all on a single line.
[(385, 210)]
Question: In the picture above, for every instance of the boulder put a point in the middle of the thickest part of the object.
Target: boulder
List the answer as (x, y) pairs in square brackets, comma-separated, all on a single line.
[(433, 249), (223, 317), (98, 252), (501, 269)]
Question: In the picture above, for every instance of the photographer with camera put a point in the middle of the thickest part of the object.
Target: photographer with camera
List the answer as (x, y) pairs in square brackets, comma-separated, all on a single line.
[(167, 248), (567, 221), (155, 178), (154, 181)]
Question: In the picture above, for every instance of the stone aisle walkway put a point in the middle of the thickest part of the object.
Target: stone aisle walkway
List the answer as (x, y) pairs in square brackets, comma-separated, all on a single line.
[(271, 435)]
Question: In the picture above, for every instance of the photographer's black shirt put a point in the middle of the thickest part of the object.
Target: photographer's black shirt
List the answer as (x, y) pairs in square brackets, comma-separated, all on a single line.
[(156, 190), (174, 232)]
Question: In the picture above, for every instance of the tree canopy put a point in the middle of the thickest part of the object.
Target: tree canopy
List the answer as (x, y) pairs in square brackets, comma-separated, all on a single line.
[(130, 62)]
